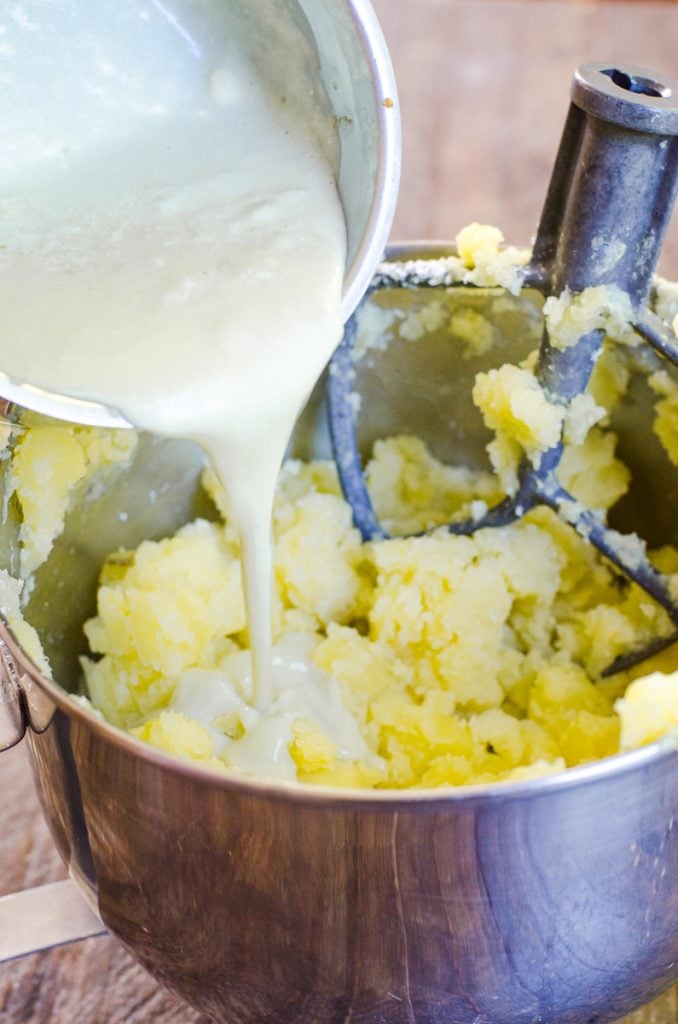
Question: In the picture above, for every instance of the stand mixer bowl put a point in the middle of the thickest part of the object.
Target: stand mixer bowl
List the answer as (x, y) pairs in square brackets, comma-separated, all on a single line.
[(551, 900)]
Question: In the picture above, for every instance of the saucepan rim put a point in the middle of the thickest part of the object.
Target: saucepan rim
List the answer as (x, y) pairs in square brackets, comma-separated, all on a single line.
[(389, 148)]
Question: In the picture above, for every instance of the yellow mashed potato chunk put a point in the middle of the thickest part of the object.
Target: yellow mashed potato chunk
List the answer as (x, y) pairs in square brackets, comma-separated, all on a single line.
[(48, 465), (171, 607), (649, 710), (487, 261), (179, 735), (666, 409), (604, 307), (512, 401), (474, 330)]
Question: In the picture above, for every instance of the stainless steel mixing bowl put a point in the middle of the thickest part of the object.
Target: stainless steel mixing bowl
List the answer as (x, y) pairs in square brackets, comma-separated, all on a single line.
[(552, 900)]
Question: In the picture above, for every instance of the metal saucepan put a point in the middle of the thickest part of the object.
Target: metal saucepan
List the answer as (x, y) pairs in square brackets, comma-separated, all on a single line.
[(53, 50)]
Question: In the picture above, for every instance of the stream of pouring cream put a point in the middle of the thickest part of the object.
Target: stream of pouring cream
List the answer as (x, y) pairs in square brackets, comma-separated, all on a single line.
[(172, 242)]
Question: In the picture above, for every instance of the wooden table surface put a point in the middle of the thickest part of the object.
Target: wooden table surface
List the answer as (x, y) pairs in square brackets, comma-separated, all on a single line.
[(484, 89)]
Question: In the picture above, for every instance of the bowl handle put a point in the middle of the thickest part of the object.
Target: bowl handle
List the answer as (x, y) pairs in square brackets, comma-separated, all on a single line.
[(49, 915)]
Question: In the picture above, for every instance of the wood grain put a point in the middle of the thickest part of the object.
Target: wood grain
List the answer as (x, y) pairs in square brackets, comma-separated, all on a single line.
[(484, 88)]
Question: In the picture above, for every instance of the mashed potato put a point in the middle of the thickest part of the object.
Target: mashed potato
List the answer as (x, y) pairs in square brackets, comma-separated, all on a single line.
[(460, 659), (418, 661)]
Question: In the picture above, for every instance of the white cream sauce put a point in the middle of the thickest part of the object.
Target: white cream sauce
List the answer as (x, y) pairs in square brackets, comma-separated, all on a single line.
[(257, 743), (172, 243)]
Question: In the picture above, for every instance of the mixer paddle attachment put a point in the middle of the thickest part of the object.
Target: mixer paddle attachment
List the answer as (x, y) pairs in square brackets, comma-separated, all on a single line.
[(603, 224)]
